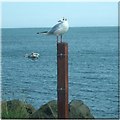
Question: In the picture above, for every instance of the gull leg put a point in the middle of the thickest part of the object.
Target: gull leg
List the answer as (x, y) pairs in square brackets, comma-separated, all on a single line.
[(61, 39), (57, 39)]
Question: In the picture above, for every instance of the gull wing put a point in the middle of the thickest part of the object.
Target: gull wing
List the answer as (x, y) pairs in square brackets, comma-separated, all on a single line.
[(54, 28)]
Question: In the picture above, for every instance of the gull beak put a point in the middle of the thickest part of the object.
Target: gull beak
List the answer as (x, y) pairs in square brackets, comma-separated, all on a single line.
[(59, 21)]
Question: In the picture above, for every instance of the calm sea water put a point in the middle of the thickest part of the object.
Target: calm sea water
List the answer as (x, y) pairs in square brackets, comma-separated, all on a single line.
[(93, 67)]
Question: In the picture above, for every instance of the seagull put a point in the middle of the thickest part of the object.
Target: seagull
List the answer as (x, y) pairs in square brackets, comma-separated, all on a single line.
[(59, 29)]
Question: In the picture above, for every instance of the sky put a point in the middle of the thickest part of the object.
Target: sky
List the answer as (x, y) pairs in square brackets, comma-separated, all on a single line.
[(46, 14)]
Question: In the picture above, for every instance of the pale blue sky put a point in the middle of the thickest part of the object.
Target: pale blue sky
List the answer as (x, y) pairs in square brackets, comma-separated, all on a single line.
[(39, 14)]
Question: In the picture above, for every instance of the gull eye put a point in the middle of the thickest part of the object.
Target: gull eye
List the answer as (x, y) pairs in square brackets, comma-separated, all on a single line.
[(63, 18)]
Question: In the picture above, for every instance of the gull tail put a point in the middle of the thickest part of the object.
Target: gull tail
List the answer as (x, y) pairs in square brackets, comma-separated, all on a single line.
[(45, 32)]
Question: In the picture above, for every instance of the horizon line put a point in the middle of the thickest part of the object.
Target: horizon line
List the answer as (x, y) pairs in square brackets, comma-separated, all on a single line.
[(50, 27)]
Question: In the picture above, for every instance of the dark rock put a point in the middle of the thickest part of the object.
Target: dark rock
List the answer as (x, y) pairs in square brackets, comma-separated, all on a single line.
[(77, 109), (16, 109), (48, 110)]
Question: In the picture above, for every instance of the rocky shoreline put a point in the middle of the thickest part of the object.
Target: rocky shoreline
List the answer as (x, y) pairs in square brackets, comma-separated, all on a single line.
[(18, 109)]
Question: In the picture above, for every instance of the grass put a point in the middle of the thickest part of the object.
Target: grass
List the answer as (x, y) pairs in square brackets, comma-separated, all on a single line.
[(16, 109)]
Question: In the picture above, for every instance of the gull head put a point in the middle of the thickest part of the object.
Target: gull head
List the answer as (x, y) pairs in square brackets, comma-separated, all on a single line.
[(62, 20)]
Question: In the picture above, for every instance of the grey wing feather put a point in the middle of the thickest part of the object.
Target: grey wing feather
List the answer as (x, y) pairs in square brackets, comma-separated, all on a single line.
[(54, 28)]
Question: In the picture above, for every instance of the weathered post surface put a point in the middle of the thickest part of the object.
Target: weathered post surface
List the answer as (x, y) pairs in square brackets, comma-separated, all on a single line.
[(62, 79)]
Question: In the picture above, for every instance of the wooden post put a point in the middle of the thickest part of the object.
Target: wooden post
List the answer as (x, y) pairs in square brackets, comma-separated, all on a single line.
[(62, 79)]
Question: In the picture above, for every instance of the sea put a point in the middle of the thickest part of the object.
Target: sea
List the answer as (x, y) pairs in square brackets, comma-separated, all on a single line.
[(92, 67)]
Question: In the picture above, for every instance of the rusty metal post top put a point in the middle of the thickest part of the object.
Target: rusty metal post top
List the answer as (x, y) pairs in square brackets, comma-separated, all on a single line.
[(62, 43), (62, 48), (62, 79)]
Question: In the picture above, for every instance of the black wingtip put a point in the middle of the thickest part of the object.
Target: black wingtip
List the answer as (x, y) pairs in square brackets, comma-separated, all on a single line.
[(44, 32)]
